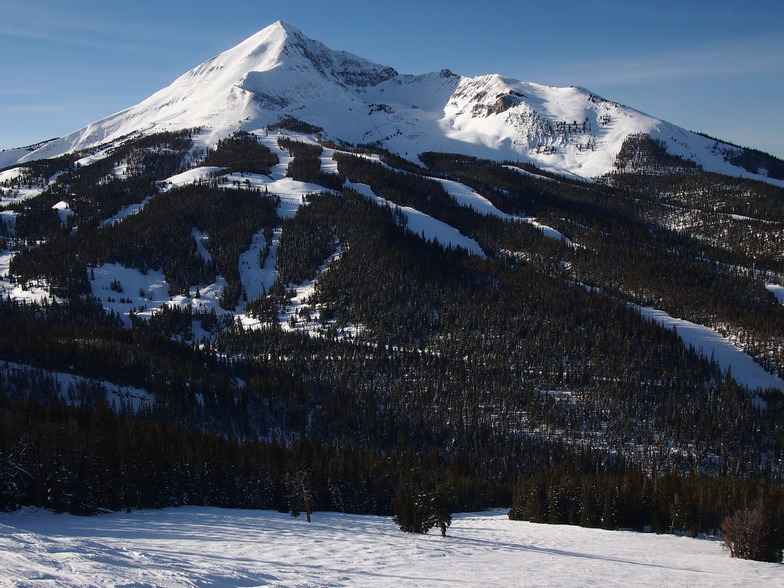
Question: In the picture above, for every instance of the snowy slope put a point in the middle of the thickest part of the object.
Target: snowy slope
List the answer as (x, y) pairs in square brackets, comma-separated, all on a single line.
[(279, 72), (145, 294), (712, 345), (206, 546)]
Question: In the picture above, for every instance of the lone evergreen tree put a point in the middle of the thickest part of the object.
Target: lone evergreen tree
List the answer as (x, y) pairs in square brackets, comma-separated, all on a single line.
[(409, 514), (441, 503), (300, 495)]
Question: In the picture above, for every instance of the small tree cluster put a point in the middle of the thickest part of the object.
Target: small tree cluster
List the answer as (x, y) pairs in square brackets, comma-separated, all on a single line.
[(749, 534), (418, 511)]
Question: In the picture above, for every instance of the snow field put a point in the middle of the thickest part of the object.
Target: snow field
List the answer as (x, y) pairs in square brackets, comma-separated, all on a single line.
[(117, 397), (467, 197), (711, 344), (198, 546), (777, 291), (427, 227), (18, 194)]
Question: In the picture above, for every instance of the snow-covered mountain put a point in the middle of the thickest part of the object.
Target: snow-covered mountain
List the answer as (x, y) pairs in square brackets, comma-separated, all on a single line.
[(280, 72), (218, 316)]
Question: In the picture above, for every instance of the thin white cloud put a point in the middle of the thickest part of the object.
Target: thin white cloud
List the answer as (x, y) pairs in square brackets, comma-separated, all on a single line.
[(59, 23), (737, 57)]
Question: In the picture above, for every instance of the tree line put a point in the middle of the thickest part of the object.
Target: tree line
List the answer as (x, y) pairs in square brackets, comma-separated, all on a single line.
[(438, 381)]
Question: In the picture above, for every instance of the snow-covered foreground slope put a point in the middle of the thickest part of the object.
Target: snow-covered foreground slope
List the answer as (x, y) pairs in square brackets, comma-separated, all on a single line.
[(212, 547)]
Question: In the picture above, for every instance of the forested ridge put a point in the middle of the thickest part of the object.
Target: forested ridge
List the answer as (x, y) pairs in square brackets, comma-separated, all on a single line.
[(525, 377)]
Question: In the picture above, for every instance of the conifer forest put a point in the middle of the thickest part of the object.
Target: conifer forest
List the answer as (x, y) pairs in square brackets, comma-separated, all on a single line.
[(520, 374)]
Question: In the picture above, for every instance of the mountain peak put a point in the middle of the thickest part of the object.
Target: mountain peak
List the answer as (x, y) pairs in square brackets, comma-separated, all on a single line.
[(280, 72), (283, 45), (265, 77), (290, 31), (285, 28), (275, 35)]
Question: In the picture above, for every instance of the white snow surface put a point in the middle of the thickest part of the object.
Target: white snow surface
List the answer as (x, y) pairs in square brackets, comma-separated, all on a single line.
[(424, 225), (63, 210), (15, 194), (711, 344), (10, 157), (197, 546), (34, 292), (191, 176), (255, 278), (117, 396), (777, 290), (280, 72), (133, 291), (468, 197)]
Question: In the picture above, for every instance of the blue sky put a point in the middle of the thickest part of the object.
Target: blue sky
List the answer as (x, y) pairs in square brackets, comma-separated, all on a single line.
[(713, 67)]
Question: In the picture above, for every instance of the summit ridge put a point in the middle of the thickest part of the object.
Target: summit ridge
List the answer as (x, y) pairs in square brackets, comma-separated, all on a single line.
[(279, 72)]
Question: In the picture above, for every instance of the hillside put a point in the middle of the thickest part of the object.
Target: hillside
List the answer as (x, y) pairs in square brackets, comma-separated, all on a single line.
[(200, 314)]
